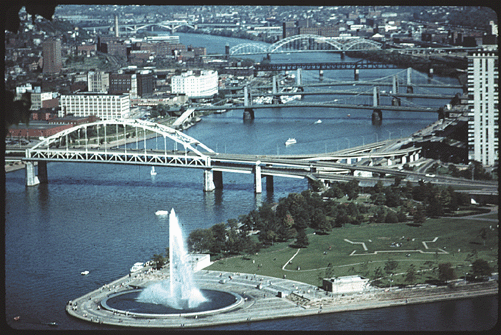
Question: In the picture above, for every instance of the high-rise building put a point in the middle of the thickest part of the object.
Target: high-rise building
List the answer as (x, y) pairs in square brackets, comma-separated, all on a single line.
[(98, 81), (51, 52), (483, 107), (104, 106)]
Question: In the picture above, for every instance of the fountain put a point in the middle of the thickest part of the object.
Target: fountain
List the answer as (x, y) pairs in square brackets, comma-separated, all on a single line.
[(177, 296), (180, 291)]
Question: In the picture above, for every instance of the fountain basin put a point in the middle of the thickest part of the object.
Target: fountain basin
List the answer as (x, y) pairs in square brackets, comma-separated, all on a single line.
[(125, 303)]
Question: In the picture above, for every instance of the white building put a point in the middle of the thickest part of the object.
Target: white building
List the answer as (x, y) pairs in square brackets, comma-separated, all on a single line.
[(37, 99), (199, 261), (345, 285), (98, 81), (483, 107), (200, 84), (104, 106)]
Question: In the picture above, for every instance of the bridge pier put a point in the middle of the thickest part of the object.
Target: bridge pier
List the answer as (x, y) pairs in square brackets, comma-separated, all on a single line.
[(299, 77), (32, 178), (377, 117), (410, 89), (276, 98), (356, 74), (258, 187), (208, 180), (248, 114), (343, 55), (217, 177), (269, 183), (395, 84)]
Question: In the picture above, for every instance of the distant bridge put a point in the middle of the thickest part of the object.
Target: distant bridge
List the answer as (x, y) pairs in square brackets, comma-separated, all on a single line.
[(306, 43)]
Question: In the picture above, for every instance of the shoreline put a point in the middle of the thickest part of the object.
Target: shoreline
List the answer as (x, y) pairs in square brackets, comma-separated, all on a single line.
[(262, 301)]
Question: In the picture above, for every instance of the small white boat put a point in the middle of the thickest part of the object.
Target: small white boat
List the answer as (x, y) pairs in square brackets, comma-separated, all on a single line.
[(318, 121), (153, 172), (84, 273), (137, 267), (290, 141), (162, 212)]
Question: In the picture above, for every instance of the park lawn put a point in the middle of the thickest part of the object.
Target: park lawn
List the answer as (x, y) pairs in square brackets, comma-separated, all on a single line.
[(453, 235)]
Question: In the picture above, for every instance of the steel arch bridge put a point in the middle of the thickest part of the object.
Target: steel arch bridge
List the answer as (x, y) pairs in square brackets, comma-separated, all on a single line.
[(98, 142), (307, 43), (170, 25)]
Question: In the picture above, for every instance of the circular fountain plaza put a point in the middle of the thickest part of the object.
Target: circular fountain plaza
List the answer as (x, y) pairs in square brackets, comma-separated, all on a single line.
[(232, 298)]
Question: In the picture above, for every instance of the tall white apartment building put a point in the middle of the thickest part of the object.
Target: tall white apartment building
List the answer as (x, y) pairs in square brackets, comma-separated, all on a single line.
[(483, 107), (98, 81), (104, 106), (200, 84)]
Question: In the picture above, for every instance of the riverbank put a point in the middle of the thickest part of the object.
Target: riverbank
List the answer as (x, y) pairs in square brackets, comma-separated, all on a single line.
[(265, 298)]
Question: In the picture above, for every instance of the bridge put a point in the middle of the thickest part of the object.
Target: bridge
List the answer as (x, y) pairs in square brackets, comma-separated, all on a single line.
[(171, 25), (305, 43), (393, 96), (103, 142)]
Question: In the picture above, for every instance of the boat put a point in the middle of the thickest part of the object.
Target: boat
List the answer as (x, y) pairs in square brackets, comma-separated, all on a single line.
[(290, 141), (17, 318), (153, 172), (161, 213), (84, 273), (318, 121), (138, 266)]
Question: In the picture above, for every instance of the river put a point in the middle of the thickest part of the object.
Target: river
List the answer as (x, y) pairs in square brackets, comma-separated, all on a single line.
[(101, 217)]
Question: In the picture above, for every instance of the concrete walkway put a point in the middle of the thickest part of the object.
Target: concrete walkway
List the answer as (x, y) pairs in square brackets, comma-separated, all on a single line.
[(262, 300)]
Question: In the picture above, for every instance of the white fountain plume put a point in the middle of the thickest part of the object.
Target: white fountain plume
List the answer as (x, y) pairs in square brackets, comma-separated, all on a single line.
[(180, 291)]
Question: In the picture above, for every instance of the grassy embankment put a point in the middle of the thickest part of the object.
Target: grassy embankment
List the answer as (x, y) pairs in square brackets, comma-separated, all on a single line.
[(457, 242)]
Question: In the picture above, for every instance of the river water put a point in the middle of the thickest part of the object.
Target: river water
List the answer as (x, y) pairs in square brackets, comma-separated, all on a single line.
[(101, 217)]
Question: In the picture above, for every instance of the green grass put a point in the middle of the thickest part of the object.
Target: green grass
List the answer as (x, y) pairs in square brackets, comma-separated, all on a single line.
[(452, 235)]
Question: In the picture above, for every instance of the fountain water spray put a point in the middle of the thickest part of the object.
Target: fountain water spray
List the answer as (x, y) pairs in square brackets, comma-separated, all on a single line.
[(180, 291)]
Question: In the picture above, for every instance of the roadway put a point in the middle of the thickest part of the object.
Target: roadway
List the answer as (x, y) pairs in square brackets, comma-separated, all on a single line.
[(381, 93), (326, 166), (417, 109)]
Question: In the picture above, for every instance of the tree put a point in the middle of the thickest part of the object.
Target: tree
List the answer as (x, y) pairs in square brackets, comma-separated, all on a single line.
[(200, 240), (481, 268), (159, 261), (219, 233), (352, 189), (302, 239), (391, 217), (419, 216), (402, 217), (390, 266), (378, 187), (379, 199), (445, 272), (318, 219), (410, 276)]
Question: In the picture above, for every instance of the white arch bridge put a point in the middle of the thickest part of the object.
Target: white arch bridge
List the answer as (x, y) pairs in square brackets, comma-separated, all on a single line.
[(152, 144), (306, 43)]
